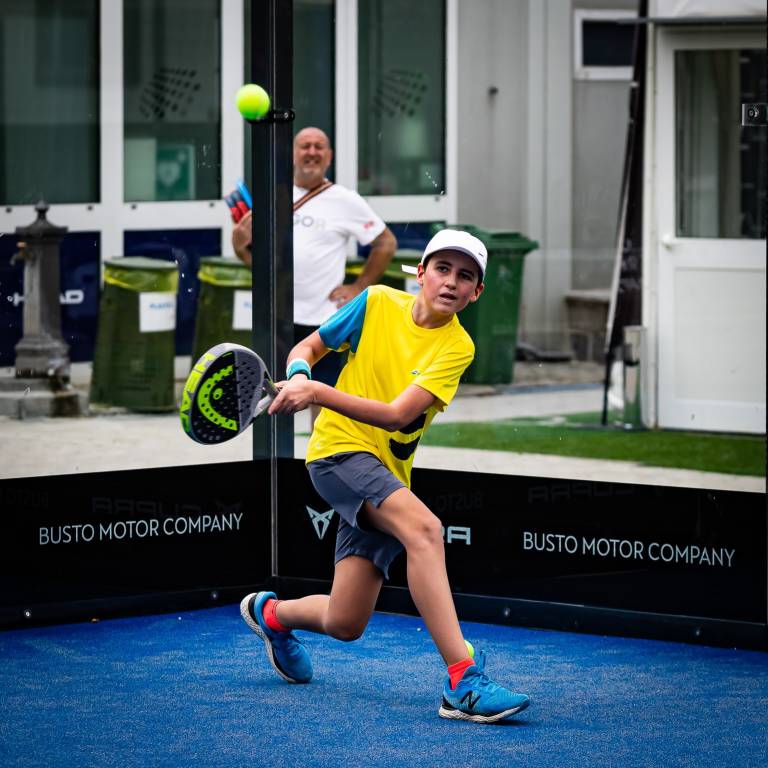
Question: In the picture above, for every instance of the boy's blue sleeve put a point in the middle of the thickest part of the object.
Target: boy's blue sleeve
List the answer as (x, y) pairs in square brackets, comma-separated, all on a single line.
[(345, 326)]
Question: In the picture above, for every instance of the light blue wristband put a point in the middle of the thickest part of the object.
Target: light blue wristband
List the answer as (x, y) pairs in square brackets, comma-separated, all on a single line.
[(298, 366)]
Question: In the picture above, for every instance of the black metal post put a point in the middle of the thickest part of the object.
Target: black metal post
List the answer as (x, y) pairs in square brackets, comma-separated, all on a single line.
[(271, 67), (272, 158), (626, 299)]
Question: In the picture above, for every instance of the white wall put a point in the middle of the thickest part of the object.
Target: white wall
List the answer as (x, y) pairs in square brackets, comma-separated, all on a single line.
[(493, 51), (515, 145)]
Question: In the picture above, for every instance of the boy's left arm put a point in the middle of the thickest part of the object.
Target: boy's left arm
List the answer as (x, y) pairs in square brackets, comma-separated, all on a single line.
[(293, 395)]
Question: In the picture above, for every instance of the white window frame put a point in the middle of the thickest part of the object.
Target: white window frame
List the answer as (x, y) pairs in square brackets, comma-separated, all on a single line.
[(393, 208), (112, 216), (581, 72)]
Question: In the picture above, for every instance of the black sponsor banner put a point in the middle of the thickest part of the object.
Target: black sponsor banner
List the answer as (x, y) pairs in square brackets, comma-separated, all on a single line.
[(675, 551), (117, 534), (306, 525)]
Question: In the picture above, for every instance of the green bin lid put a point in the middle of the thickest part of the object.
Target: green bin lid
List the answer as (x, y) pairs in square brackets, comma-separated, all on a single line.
[(141, 274), (495, 239), (141, 262), (224, 271), (393, 271)]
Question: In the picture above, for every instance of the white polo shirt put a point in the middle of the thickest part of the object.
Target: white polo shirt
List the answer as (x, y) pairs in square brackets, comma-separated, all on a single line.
[(321, 229)]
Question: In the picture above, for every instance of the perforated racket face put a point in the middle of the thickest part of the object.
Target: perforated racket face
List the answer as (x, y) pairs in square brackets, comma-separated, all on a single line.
[(222, 393)]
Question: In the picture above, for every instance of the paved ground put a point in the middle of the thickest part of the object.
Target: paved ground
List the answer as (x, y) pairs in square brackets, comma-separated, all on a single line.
[(45, 446)]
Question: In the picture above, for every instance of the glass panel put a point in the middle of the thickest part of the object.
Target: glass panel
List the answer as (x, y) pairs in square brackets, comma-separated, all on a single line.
[(542, 411), (313, 65), (401, 91), (172, 99), (184, 247), (314, 82), (49, 101), (721, 167)]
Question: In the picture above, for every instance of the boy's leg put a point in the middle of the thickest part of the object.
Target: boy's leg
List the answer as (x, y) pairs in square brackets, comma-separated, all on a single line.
[(404, 516), (468, 693), (343, 614)]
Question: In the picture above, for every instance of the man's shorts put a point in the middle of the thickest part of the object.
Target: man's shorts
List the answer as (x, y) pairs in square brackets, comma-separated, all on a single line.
[(346, 481), (328, 369)]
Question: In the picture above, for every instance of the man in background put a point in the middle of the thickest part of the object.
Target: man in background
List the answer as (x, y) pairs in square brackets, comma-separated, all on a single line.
[(325, 217)]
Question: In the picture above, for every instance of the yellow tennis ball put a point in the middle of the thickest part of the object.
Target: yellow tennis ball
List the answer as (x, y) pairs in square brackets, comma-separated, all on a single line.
[(470, 649), (252, 101)]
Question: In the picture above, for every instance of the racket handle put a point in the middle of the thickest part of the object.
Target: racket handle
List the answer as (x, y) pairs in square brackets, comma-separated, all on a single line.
[(269, 393), (270, 389), (262, 405)]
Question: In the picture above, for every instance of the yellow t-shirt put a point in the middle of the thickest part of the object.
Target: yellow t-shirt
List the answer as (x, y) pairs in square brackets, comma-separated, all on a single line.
[(387, 352)]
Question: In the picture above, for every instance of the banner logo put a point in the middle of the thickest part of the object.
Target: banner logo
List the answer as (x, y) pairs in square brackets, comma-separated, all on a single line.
[(320, 520)]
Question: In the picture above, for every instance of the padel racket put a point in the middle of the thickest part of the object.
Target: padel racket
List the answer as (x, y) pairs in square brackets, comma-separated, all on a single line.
[(226, 390)]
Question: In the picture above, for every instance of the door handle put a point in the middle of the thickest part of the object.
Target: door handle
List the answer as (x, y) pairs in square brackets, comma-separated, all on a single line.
[(667, 240)]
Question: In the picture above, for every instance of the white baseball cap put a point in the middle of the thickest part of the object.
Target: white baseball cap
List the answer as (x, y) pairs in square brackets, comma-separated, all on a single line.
[(454, 240)]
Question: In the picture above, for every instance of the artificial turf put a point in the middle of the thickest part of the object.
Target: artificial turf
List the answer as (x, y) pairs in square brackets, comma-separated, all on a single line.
[(582, 435)]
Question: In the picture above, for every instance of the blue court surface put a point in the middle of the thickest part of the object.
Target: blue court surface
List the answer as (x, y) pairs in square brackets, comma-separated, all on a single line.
[(195, 689)]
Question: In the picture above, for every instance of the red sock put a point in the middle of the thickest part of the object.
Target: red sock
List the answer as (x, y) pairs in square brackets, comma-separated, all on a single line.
[(270, 617), (456, 671)]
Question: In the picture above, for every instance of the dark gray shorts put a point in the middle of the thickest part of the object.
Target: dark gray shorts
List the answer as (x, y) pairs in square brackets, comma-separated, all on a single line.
[(345, 481)]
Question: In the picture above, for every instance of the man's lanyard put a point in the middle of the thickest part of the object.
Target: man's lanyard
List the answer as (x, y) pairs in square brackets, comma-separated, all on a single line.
[(312, 193)]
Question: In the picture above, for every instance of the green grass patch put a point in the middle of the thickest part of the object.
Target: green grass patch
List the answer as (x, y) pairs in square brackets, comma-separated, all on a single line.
[(582, 436)]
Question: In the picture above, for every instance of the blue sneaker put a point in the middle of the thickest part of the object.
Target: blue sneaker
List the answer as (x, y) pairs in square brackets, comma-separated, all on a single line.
[(286, 652), (477, 698)]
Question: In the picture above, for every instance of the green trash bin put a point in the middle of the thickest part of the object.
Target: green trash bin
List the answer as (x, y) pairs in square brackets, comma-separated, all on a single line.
[(133, 365), (492, 321), (224, 304), (393, 275)]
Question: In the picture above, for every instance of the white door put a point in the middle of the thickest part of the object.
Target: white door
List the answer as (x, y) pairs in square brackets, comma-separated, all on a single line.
[(710, 187)]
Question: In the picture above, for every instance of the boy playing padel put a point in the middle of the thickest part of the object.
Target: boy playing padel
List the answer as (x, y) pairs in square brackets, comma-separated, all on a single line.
[(406, 356)]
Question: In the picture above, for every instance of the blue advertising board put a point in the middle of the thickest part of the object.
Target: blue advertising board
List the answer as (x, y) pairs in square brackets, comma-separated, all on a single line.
[(79, 295)]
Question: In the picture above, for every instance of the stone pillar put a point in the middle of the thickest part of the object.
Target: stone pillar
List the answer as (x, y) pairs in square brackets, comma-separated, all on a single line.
[(42, 351), (41, 385)]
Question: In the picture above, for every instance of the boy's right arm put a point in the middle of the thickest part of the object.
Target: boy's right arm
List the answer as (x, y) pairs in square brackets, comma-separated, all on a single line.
[(300, 393), (393, 416)]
